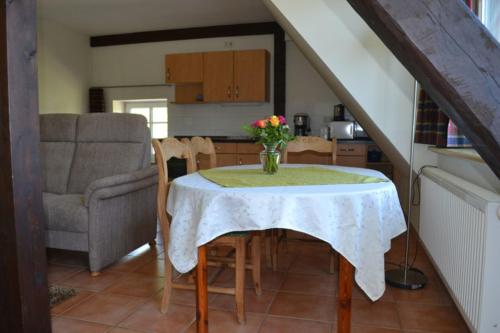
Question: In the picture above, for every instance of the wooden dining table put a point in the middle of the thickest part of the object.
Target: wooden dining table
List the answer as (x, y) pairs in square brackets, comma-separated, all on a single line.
[(358, 220)]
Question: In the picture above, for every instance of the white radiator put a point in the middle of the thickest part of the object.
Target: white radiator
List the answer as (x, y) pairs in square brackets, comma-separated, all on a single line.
[(460, 228)]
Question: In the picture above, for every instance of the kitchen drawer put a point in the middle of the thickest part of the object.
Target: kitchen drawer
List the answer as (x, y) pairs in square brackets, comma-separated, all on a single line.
[(309, 157), (248, 159), (227, 159), (249, 148), (354, 161), (225, 147), (351, 150)]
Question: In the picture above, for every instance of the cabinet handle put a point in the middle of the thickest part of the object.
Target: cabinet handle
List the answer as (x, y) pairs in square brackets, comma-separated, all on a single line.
[(351, 149), (229, 91), (168, 73), (237, 92)]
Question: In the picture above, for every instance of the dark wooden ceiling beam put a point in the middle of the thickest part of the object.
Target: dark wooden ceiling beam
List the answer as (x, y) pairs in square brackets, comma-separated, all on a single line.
[(265, 28), (23, 274), (453, 56)]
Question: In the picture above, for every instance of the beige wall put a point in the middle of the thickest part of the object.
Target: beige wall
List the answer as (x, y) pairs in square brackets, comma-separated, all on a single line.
[(63, 61), (143, 64)]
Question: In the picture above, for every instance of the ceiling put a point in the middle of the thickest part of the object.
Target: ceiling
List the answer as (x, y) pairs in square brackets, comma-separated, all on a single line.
[(102, 17)]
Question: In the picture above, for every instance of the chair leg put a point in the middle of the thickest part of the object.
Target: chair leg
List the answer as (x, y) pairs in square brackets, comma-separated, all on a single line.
[(167, 288), (274, 250), (268, 247), (256, 258), (333, 261), (240, 279)]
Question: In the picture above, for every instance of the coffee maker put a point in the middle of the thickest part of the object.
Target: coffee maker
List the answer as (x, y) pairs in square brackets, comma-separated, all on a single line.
[(302, 124)]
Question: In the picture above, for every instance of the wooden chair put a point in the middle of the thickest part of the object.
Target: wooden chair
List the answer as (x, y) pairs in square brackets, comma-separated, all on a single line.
[(301, 144), (165, 150), (311, 143)]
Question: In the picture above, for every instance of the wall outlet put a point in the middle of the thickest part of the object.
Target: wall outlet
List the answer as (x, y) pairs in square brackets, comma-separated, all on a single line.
[(228, 44)]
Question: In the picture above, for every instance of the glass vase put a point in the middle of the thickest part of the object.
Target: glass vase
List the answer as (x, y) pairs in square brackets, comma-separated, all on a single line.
[(270, 158)]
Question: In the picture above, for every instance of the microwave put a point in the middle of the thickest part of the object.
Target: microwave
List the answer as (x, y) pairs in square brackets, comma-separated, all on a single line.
[(342, 129)]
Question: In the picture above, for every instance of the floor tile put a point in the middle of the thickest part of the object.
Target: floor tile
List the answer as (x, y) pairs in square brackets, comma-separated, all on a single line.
[(311, 264), (149, 318), (67, 325), (303, 306), (123, 330), (388, 295), (253, 303), (131, 263), (433, 318), (184, 297), (138, 285), (380, 314), (107, 309), (84, 280), (269, 280), (57, 273), (155, 268), (434, 292), (288, 325), (80, 296), (369, 329), (225, 322), (311, 284)]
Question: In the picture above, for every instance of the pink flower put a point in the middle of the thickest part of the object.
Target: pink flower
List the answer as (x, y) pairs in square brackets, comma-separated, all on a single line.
[(255, 124), (282, 120)]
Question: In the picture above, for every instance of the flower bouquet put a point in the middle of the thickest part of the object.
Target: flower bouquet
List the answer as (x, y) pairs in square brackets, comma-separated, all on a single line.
[(272, 132)]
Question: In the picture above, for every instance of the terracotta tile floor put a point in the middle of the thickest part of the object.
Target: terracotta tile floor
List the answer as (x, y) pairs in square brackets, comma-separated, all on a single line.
[(299, 297)]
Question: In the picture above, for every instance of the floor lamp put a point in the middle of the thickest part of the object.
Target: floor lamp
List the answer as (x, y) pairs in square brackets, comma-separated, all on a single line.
[(407, 277)]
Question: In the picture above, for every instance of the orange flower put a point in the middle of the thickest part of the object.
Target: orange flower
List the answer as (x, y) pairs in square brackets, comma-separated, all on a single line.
[(275, 122), (262, 123)]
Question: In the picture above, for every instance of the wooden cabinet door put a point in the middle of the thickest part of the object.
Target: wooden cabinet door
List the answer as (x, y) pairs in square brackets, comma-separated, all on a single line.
[(184, 68), (251, 79), (248, 159), (218, 76), (227, 159), (353, 161)]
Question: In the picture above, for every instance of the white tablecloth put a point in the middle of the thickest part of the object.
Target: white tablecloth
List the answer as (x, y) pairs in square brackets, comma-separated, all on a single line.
[(357, 220)]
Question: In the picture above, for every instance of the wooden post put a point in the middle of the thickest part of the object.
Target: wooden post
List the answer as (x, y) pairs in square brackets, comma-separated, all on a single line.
[(201, 291), (23, 272), (345, 294)]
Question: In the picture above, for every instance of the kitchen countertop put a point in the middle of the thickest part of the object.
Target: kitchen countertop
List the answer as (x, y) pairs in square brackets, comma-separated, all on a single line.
[(246, 139)]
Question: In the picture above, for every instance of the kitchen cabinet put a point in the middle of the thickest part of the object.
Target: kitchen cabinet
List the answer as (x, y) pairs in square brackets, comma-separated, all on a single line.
[(184, 68), (219, 77), (351, 155), (251, 81), (236, 76), (218, 74)]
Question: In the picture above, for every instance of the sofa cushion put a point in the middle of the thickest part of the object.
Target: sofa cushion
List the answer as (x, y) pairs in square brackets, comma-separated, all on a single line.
[(57, 134), (108, 145), (65, 212)]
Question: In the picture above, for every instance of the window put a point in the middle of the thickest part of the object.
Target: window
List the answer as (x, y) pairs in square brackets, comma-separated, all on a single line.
[(490, 15), (156, 114)]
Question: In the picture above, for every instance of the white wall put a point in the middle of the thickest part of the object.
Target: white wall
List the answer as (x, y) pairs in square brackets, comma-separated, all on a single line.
[(373, 84), (143, 64), (63, 61)]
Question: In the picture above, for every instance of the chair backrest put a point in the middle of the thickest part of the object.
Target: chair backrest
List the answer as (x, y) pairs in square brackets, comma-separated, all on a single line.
[(311, 143), (204, 146), (164, 151)]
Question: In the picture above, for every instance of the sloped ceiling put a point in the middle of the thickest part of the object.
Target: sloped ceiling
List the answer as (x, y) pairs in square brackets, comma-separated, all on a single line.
[(102, 17)]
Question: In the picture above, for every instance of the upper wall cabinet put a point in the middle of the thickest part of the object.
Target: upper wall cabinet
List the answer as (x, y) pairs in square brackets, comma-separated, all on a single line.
[(184, 68), (251, 76), (218, 83), (227, 76)]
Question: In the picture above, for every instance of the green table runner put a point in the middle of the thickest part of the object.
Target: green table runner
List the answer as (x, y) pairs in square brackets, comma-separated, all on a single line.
[(285, 177)]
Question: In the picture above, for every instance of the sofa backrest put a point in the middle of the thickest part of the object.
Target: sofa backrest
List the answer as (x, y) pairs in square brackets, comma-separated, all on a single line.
[(104, 144), (108, 144), (57, 147)]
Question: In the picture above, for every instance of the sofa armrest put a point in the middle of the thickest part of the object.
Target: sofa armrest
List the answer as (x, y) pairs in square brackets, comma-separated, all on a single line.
[(112, 186)]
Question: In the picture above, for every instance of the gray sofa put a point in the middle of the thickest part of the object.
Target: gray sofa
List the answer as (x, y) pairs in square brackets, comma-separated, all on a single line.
[(99, 188)]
